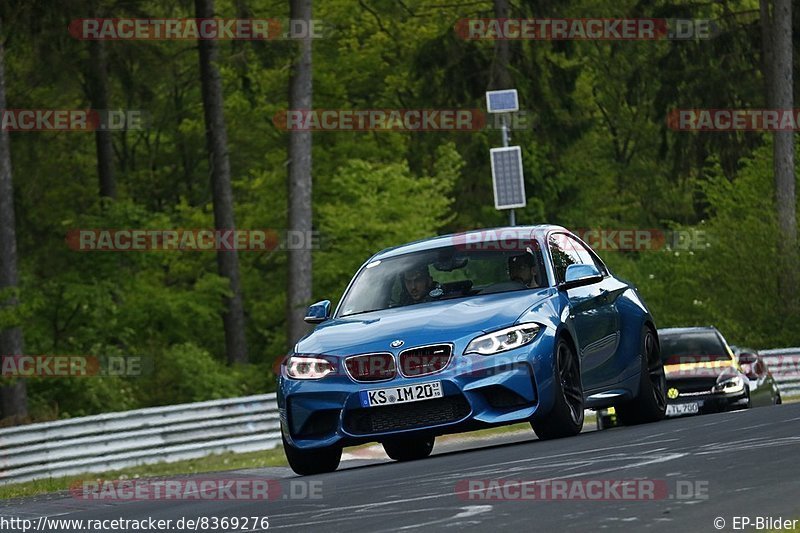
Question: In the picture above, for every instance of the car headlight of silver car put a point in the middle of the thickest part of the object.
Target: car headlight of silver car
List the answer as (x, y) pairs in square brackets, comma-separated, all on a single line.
[(308, 367), (730, 385), (504, 339)]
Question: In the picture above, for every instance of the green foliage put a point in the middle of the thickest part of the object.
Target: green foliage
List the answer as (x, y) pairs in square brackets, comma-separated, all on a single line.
[(368, 206), (187, 373), (744, 268), (63, 397), (671, 281), (728, 276)]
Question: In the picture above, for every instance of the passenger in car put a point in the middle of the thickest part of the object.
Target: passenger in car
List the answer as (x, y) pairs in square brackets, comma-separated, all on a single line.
[(522, 269)]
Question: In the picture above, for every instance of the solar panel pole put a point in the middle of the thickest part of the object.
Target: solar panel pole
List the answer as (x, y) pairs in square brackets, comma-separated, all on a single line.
[(506, 161), (512, 218)]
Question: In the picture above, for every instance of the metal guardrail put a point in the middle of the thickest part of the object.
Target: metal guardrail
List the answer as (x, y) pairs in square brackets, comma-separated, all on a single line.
[(784, 363), (114, 441)]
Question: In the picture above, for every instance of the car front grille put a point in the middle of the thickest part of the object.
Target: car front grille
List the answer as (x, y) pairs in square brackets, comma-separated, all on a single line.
[(368, 368), (692, 385), (425, 360), (409, 416)]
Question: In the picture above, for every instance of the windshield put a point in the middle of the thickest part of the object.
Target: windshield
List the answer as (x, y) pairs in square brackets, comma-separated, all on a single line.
[(694, 347), (445, 273)]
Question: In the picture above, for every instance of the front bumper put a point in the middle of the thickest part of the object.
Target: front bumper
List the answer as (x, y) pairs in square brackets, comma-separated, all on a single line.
[(714, 402), (478, 391)]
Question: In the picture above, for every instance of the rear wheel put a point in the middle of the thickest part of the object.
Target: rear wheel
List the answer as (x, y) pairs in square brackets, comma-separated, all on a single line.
[(409, 449), (651, 402), (566, 417), (314, 461)]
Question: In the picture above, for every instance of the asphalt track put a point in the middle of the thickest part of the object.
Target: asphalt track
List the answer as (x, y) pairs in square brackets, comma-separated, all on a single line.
[(741, 464)]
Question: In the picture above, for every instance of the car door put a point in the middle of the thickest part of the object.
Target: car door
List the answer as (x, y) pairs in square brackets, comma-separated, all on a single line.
[(592, 311)]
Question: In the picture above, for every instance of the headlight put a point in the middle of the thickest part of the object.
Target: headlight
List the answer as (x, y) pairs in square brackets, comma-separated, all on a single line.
[(503, 340), (308, 367), (730, 385)]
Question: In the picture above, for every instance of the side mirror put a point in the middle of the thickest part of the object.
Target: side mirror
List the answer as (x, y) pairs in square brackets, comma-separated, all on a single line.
[(580, 275), (746, 358), (319, 312)]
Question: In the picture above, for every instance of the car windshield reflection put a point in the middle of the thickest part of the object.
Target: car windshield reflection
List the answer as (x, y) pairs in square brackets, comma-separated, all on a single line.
[(443, 274)]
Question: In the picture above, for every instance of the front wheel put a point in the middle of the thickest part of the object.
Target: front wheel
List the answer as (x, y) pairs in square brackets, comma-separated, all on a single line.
[(747, 404), (409, 449), (566, 417), (313, 461), (650, 404)]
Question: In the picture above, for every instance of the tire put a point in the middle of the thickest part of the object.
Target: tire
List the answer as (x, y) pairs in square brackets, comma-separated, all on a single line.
[(409, 449), (565, 419), (650, 404), (314, 461), (778, 399), (748, 405)]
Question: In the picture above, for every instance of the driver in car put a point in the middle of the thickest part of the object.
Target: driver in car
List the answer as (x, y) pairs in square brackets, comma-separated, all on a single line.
[(522, 269), (418, 283)]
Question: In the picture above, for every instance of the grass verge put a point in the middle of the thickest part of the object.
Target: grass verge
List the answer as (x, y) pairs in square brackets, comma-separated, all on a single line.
[(212, 463)]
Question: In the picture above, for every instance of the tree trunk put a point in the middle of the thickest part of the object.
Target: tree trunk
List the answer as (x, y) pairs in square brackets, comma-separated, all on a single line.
[(98, 87), (780, 96), (299, 185), (220, 171), (500, 77), (767, 62), (13, 397)]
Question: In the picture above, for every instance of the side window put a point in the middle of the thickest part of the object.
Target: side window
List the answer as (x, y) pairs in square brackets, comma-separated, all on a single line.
[(586, 256), (563, 254)]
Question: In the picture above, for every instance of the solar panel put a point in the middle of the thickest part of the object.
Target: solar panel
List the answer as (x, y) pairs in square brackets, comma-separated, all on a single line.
[(503, 101), (507, 179)]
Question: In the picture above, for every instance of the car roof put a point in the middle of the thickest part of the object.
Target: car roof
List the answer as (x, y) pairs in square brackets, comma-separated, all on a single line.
[(442, 241)]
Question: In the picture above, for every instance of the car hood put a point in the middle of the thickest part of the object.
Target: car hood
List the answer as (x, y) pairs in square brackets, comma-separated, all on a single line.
[(428, 323)]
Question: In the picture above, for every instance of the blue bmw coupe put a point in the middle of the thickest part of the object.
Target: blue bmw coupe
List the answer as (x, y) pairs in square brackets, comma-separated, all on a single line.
[(469, 331)]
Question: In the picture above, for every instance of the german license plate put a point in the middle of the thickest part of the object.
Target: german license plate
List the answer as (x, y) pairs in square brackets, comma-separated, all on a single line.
[(405, 394), (678, 409)]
